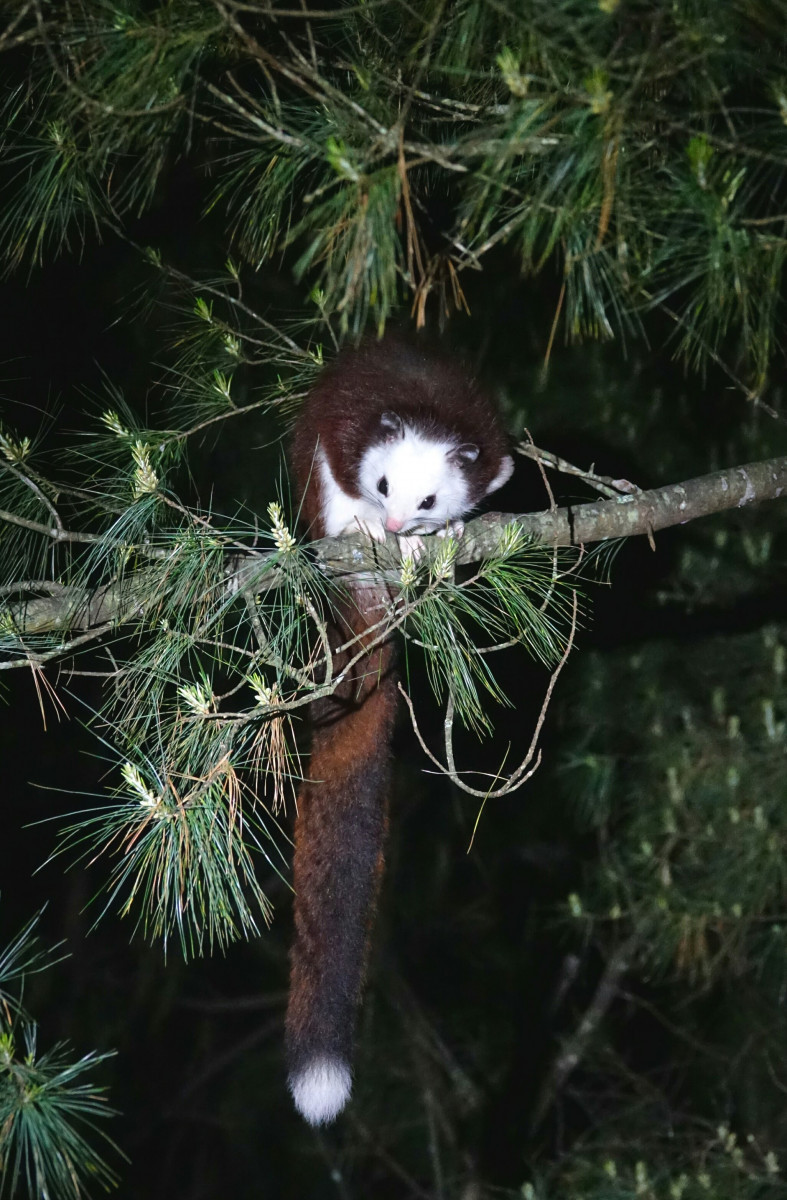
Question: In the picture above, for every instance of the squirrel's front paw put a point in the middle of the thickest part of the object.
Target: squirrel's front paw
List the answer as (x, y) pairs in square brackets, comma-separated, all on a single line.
[(411, 546), (452, 529), (373, 529)]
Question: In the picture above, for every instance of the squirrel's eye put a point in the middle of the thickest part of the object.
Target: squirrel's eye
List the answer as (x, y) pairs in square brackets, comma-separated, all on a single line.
[(382, 486), (428, 502)]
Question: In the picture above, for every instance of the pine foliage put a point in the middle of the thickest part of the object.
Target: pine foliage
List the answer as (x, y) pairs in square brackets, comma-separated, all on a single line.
[(639, 145), (385, 156), (48, 1112)]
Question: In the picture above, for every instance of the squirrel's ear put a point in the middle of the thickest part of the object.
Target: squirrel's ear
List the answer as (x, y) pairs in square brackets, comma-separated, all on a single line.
[(503, 475), (392, 424), (463, 455)]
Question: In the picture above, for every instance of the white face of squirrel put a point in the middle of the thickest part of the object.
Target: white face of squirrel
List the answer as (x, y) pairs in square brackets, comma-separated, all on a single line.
[(416, 483)]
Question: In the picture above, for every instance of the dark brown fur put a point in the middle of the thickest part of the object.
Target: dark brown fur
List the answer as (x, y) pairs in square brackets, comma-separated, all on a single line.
[(342, 809), (339, 838)]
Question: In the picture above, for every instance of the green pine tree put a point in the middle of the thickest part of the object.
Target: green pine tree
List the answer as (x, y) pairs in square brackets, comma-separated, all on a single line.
[(589, 199)]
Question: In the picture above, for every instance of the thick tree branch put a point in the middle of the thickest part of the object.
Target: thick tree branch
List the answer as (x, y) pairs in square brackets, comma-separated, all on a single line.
[(622, 516), (603, 520)]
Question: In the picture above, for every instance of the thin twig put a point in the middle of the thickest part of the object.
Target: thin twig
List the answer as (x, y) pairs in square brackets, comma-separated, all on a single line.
[(309, 14), (575, 1047), (270, 131), (530, 446), (34, 658), (28, 482), (5, 36), (56, 533), (602, 483), (521, 774)]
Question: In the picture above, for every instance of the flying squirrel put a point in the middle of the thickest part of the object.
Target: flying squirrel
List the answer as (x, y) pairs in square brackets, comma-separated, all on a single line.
[(391, 438)]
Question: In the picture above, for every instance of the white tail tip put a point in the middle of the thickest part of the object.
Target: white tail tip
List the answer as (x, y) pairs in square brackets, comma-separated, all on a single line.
[(321, 1090)]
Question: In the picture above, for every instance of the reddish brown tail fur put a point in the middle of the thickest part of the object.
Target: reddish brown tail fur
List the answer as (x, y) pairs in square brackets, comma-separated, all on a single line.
[(339, 840)]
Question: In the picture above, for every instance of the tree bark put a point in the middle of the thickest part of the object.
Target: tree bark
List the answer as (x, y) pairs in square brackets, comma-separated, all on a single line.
[(70, 610)]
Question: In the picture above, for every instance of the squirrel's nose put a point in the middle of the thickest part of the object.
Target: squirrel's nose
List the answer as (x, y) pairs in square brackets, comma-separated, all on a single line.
[(392, 525)]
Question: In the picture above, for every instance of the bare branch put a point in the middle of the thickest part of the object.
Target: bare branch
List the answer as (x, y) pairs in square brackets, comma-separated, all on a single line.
[(35, 658), (575, 1047), (55, 532), (632, 514), (611, 488), (24, 478)]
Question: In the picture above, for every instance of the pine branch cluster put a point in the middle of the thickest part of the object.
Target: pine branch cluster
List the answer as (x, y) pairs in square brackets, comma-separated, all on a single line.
[(639, 146), (208, 668), (48, 1111)]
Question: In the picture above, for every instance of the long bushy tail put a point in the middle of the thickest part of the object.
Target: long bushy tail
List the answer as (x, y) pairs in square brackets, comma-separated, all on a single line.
[(339, 841)]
